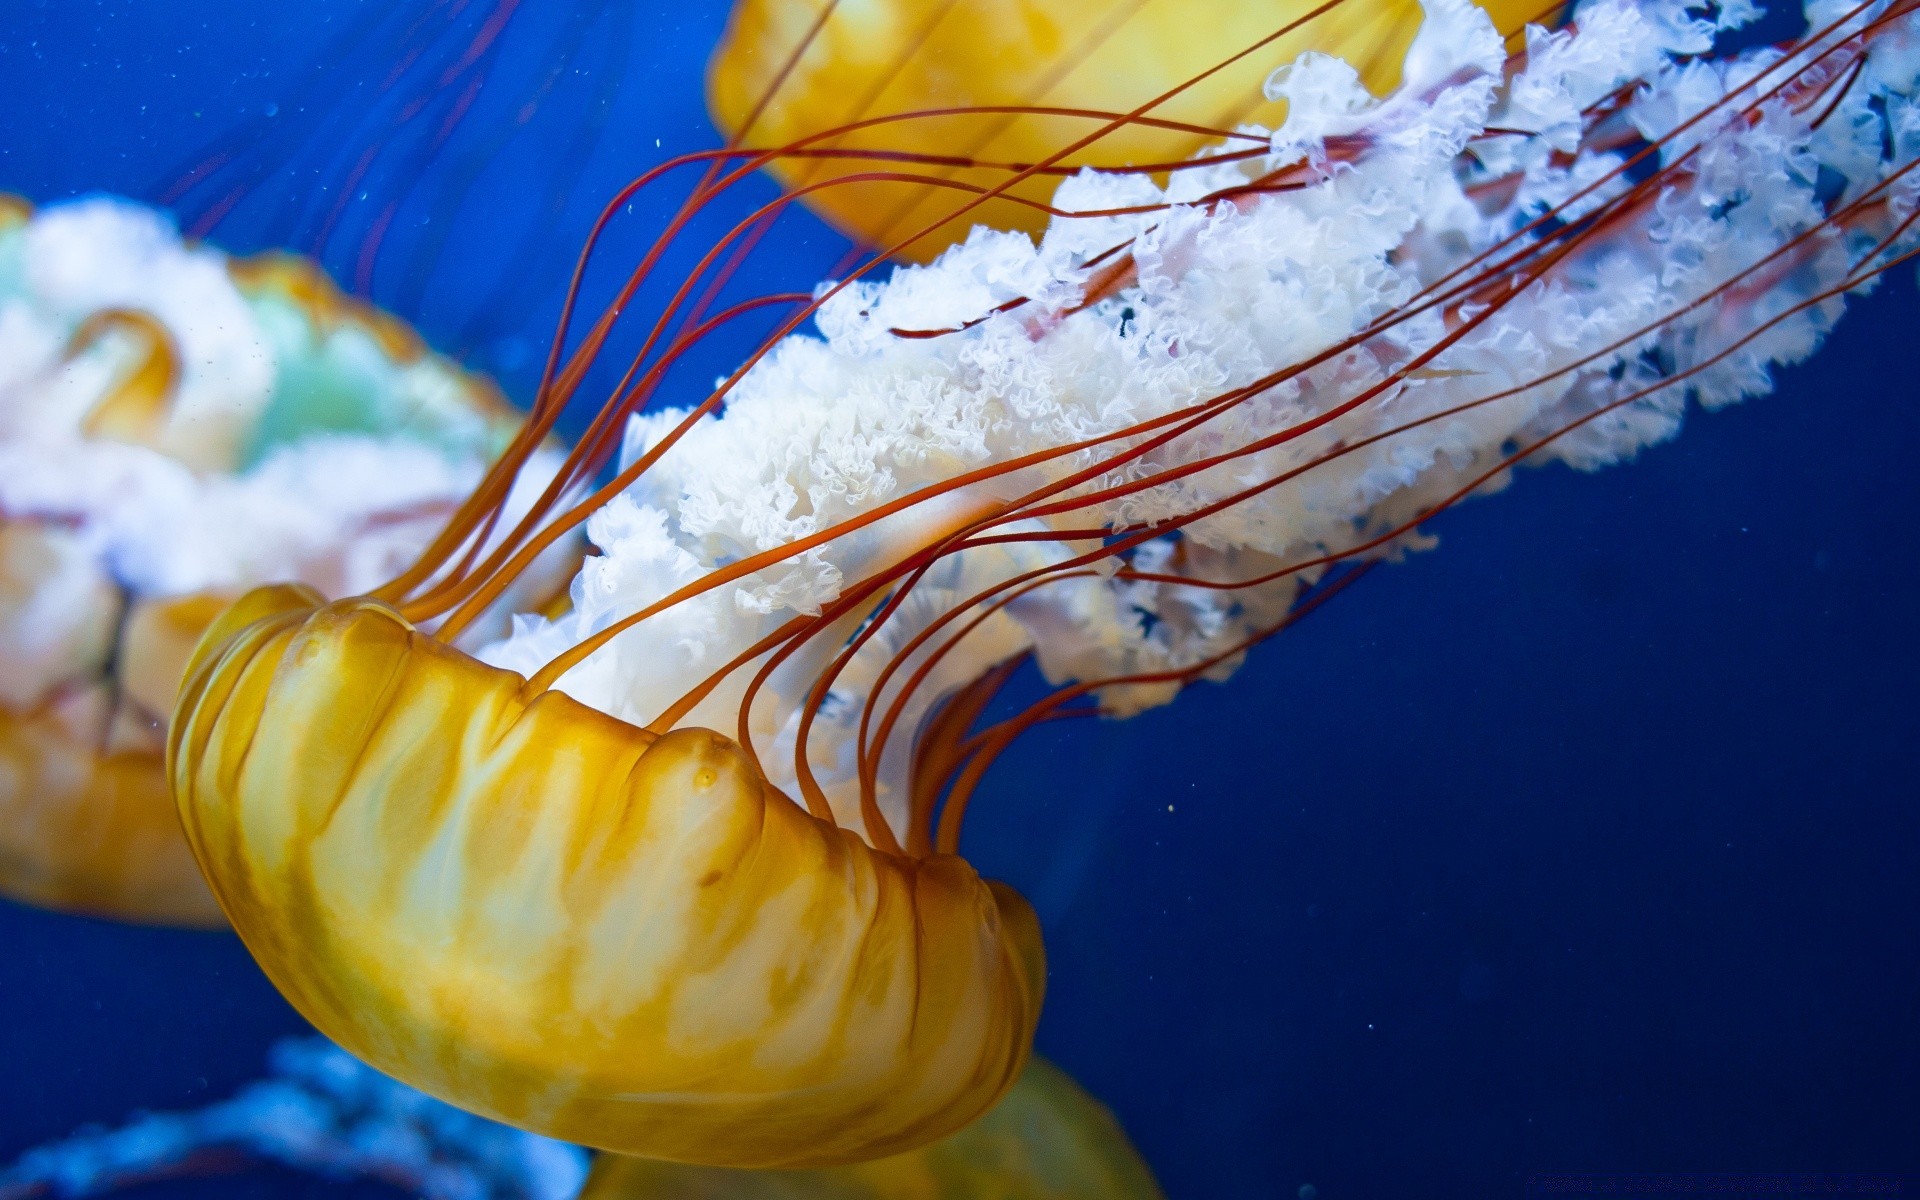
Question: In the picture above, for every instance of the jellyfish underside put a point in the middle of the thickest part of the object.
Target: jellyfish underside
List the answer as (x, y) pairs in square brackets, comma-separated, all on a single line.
[(608, 922)]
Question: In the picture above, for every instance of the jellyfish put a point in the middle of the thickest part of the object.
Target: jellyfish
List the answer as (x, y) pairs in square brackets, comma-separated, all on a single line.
[(177, 427), (677, 873), (1046, 1139), (1014, 80)]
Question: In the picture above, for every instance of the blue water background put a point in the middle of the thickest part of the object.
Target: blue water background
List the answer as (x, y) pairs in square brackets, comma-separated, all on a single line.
[(1586, 842)]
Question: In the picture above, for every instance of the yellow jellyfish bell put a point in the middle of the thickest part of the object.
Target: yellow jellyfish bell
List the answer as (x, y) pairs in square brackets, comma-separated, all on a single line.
[(785, 72), (562, 921), (136, 357), (1046, 1140)]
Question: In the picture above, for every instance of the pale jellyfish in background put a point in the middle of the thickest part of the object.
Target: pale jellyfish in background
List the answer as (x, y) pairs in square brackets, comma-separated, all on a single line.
[(177, 426)]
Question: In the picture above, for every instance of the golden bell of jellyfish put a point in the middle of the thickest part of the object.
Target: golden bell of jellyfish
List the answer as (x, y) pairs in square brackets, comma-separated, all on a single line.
[(559, 920), (880, 58), (212, 367), (1046, 1140)]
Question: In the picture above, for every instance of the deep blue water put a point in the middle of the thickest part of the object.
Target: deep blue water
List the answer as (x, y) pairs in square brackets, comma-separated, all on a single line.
[(1586, 842)]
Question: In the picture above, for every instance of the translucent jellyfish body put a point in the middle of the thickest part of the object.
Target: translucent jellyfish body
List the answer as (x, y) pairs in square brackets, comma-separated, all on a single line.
[(175, 428)]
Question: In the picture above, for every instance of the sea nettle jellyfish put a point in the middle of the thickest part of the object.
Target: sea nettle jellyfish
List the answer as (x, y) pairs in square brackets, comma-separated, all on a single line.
[(177, 427), (677, 872)]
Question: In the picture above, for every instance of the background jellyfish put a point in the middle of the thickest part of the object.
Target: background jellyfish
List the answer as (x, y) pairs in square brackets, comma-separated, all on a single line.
[(176, 426), (1554, 912), (1046, 1139), (322, 1112), (842, 65)]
